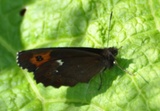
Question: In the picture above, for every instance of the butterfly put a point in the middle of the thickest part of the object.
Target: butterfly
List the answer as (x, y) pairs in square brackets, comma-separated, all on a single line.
[(66, 66)]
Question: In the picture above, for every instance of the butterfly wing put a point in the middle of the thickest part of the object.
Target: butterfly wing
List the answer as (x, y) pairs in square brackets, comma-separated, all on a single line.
[(62, 66), (67, 71), (32, 59), (65, 66)]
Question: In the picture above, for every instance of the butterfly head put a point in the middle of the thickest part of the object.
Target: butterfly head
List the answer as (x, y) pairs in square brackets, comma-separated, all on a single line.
[(109, 55)]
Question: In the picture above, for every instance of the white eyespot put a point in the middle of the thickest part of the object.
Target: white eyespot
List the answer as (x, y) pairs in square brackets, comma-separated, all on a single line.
[(56, 71), (60, 62)]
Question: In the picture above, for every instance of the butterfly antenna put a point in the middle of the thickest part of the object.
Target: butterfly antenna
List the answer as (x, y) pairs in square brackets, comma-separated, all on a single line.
[(109, 27), (116, 63), (126, 71)]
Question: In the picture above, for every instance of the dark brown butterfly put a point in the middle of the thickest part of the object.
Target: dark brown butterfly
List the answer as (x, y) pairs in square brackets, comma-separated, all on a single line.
[(66, 66)]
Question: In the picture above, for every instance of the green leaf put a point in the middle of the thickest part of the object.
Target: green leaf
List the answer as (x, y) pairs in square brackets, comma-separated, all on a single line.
[(58, 23)]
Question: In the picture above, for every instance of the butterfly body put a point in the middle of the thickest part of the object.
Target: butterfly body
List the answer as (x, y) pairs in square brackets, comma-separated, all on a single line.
[(66, 66)]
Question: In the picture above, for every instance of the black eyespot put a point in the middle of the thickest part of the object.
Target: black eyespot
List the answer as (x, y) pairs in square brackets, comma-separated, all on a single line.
[(39, 58)]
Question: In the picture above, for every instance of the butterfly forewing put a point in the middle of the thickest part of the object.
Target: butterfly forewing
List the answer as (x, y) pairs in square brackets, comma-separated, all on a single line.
[(65, 66)]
